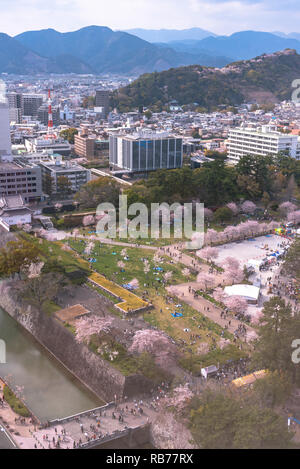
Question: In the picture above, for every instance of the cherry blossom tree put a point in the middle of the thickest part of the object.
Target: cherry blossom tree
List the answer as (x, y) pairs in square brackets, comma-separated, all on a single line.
[(168, 276), (206, 280), (211, 237), (180, 397), (219, 295), (237, 304), (156, 343), (121, 265), (294, 217), (233, 272), (248, 207), (233, 207), (208, 253), (287, 207), (90, 325)]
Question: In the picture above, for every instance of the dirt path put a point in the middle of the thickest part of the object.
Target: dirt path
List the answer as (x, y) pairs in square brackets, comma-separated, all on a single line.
[(207, 308)]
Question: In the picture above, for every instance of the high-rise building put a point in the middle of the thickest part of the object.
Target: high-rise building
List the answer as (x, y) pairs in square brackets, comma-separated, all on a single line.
[(31, 104), (145, 151), (261, 141), (17, 176), (5, 141), (84, 145), (102, 100), (15, 104)]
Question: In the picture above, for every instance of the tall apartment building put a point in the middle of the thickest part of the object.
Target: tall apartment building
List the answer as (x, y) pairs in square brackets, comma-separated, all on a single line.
[(31, 104), (15, 104), (84, 146), (261, 141), (142, 152), (102, 100)]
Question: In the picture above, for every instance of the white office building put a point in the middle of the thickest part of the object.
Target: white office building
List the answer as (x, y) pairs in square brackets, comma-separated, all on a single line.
[(265, 140), (145, 151)]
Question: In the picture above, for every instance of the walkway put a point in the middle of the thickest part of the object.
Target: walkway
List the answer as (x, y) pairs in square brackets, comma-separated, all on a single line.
[(208, 309)]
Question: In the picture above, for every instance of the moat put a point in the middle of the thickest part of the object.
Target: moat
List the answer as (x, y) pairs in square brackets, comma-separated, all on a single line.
[(48, 389)]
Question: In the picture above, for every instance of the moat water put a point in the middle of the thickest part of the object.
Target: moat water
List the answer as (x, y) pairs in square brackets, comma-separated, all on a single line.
[(48, 389)]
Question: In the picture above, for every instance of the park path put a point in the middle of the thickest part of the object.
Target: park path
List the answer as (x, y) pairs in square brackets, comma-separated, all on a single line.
[(208, 309), (111, 241)]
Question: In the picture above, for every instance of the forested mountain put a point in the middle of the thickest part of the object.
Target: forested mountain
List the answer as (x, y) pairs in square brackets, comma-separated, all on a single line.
[(266, 78)]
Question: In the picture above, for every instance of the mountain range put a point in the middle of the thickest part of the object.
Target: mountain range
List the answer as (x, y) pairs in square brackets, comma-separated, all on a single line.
[(265, 79), (168, 35), (98, 49)]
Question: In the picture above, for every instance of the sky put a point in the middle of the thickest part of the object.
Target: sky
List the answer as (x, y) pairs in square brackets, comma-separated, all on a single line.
[(218, 16)]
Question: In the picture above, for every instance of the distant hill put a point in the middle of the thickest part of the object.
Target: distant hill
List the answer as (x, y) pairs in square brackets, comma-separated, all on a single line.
[(240, 46), (104, 50), (98, 49), (266, 78), (17, 58), (168, 35)]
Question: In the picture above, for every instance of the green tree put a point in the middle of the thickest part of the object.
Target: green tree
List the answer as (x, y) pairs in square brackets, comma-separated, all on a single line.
[(222, 421), (64, 185), (69, 134), (278, 328), (103, 189), (16, 256)]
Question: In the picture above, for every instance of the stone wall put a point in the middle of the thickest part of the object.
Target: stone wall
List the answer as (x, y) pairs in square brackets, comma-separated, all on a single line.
[(101, 378)]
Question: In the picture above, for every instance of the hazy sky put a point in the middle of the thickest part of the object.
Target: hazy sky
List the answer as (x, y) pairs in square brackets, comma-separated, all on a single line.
[(219, 16)]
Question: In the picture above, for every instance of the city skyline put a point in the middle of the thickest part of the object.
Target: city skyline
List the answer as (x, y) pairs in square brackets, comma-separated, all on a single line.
[(222, 17)]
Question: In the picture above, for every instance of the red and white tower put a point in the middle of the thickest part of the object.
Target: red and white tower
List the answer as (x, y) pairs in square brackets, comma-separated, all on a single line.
[(50, 116)]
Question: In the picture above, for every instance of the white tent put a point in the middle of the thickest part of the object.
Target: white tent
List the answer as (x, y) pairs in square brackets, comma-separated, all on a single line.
[(248, 292)]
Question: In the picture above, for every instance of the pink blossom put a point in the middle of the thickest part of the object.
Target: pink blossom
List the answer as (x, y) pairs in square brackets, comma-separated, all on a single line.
[(233, 207), (248, 207), (154, 342), (90, 325), (237, 304)]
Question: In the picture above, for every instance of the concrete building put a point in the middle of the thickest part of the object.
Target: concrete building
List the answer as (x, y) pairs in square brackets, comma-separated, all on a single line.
[(145, 151), (48, 143), (15, 104), (85, 145), (31, 104), (21, 177), (261, 141), (102, 101), (76, 175)]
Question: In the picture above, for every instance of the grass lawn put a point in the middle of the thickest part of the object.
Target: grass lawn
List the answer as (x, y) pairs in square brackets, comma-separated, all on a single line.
[(160, 316)]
